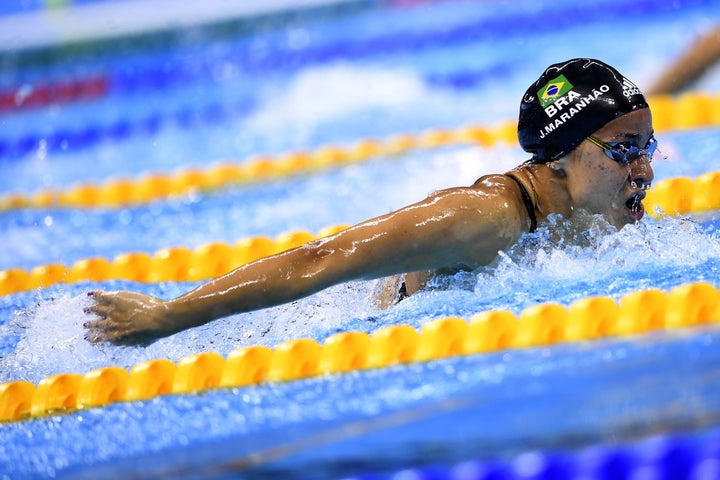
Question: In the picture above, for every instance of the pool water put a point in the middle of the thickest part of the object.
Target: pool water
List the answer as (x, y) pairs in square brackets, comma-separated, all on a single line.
[(296, 82)]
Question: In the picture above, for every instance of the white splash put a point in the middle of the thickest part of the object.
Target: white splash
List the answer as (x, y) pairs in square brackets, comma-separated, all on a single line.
[(572, 255), (51, 341), (52, 334)]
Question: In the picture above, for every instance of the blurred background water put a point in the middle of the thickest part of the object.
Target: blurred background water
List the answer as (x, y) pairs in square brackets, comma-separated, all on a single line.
[(273, 78)]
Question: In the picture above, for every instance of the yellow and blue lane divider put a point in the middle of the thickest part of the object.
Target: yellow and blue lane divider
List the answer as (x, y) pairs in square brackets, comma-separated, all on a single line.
[(688, 111), (661, 456), (541, 325)]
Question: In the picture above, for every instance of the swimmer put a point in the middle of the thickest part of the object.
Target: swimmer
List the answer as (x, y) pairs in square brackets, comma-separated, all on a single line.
[(589, 130), (691, 65)]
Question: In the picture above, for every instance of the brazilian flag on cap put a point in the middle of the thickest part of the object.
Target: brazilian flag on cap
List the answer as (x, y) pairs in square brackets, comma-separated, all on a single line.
[(554, 89)]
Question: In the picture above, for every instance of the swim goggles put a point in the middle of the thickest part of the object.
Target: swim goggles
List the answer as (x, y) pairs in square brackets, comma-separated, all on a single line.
[(626, 152)]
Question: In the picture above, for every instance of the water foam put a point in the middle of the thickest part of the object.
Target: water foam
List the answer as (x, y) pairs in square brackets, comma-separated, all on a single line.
[(51, 340), (51, 332), (564, 261)]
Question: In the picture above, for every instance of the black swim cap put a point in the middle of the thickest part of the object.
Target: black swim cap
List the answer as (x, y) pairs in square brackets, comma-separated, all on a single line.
[(571, 101)]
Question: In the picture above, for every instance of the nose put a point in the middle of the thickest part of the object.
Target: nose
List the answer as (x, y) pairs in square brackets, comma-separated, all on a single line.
[(641, 172)]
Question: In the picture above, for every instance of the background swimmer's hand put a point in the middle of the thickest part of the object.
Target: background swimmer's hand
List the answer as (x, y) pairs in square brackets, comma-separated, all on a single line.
[(127, 318)]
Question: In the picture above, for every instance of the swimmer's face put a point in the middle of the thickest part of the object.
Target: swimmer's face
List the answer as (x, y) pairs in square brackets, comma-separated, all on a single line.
[(604, 186)]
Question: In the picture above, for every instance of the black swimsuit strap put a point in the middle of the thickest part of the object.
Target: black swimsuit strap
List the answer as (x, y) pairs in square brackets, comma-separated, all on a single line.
[(528, 203), (402, 293)]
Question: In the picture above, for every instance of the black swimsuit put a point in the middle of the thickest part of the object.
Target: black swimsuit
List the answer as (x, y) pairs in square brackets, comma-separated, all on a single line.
[(402, 293), (528, 203)]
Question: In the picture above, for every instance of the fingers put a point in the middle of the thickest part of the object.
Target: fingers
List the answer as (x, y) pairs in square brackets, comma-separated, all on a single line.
[(117, 319), (101, 310), (105, 327), (100, 297), (104, 330), (105, 303), (99, 330)]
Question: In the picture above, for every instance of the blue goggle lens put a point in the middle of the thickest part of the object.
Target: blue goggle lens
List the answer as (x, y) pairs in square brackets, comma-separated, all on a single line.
[(626, 152)]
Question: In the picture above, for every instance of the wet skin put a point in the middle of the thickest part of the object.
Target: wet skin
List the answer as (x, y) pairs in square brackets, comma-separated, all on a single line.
[(452, 229), (600, 185)]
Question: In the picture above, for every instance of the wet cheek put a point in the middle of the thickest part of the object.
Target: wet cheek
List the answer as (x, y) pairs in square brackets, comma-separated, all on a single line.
[(603, 187), (614, 178), (601, 177)]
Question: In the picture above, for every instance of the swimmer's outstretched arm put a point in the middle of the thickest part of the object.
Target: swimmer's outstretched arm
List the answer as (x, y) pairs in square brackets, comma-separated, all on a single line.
[(452, 228)]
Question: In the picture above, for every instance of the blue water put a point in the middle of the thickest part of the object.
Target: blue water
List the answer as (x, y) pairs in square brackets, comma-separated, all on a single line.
[(370, 71)]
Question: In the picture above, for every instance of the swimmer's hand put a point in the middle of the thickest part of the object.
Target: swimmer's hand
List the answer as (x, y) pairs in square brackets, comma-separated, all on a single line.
[(127, 318)]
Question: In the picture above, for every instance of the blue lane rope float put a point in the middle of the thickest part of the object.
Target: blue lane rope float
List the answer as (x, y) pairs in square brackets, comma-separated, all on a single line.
[(85, 137), (88, 136), (545, 324), (679, 456)]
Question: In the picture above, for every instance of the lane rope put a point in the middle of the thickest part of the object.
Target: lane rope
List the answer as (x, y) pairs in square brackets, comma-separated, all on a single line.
[(667, 455), (123, 192), (541, 325), (687, 111)]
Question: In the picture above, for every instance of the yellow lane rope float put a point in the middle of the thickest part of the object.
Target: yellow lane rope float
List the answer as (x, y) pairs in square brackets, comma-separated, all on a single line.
[(541, 325), (155, 186), (671, 196), (688, 111), (175, 264)]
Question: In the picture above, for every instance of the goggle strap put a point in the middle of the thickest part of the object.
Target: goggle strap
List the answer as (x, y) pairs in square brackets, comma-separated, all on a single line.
[(599, 143)]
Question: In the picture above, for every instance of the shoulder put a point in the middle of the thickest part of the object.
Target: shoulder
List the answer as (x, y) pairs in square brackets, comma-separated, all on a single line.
[(487, 186), (508, 187), (485, 217), (493, 201), (488, 192), (496, 180)]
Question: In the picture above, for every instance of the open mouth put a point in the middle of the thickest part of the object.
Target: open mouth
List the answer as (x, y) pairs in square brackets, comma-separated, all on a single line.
[(634, 205)]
